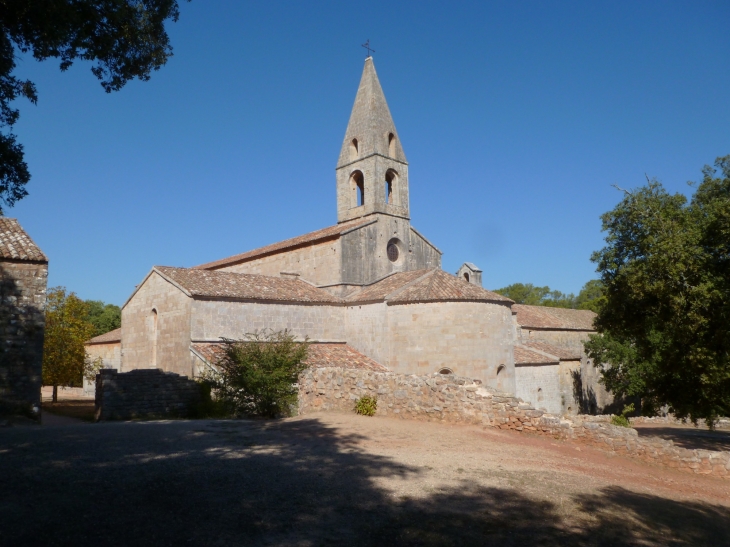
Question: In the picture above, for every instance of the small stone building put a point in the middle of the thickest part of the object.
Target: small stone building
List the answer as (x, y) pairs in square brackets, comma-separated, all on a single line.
[(369, 289), (23, 283), (108, 348)]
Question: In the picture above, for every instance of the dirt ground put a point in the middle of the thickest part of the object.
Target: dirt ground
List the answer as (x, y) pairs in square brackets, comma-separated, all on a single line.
[(338, 479)]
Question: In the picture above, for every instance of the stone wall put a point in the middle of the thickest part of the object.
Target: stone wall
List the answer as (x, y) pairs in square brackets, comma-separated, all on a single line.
[(22, 327), (213, 319), (318, 263), (156, 328), (111, 355), (144, 393), (720, 423), (454, 399), (472, 339)]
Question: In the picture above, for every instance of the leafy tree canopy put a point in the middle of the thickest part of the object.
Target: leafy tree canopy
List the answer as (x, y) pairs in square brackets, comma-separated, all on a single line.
[(104, 317), (258, 374), (663, 327), (64, 356), (125, 39), (527, 293)]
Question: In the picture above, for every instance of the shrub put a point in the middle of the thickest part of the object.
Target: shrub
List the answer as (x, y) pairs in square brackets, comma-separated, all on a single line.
[(257, 376), (366, 406), (622, 419)]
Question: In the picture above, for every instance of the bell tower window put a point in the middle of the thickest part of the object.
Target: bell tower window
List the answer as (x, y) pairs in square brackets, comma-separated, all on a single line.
[(391, 145), (354, 152), (357, 183), (391, 177)]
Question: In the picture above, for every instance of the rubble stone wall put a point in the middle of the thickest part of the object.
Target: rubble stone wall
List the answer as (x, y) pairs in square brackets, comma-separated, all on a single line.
[(22, 328), (144, 393), (454, 399)]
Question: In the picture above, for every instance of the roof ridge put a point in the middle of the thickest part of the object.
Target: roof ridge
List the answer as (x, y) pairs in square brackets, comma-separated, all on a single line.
[(409, 284)]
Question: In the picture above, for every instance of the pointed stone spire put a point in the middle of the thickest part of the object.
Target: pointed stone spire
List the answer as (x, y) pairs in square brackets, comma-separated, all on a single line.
[(372, 171), (371, 129)]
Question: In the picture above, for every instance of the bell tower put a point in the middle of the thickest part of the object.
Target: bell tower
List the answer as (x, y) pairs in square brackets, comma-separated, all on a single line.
[(372, 171)]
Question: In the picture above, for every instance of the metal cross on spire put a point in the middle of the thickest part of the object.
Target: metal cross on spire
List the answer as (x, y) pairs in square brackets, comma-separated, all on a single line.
[(366, 45)]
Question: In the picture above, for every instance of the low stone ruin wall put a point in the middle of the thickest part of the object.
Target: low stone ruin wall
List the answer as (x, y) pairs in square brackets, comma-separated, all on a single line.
[(144, 393), (448, 398), (720, 423)]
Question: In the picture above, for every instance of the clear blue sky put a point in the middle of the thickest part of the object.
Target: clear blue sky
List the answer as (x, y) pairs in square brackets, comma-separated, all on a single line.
[(516, 117)]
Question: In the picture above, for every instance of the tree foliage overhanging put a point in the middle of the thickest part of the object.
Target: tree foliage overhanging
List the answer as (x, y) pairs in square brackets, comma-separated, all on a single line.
[(125, 39), (664, 327)]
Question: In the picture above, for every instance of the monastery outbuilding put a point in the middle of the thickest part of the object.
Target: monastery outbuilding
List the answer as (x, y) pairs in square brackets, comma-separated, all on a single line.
[(369, 289)]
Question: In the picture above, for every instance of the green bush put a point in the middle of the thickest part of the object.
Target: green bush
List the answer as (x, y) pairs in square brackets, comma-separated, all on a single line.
[(366, 406), (256, 376), (622, 419)]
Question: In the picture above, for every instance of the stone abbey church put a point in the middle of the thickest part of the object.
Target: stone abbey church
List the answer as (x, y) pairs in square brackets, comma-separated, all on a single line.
[(368, 291)]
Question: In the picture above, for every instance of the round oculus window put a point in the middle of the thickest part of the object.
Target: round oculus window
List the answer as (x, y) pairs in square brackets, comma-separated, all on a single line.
[(392, 252)]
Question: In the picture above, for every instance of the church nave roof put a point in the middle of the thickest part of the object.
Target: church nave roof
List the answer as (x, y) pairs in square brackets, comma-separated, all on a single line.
[(212, 284)]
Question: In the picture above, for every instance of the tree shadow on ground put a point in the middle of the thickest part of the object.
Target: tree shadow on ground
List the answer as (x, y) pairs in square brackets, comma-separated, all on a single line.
[(688, 437), (289, 483)]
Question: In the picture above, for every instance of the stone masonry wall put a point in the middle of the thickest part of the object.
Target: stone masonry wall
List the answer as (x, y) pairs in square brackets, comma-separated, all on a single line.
[(144, 393), (22, 328), (449, 398)]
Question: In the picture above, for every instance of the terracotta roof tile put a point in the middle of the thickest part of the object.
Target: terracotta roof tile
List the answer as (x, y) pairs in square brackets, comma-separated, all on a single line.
[(379, 290), (212, 284), (543, 317), (312, 237), (564, 354), (319, 355), (16, 244), (525, 356), (440, 285), (107, 338), (341, 355)]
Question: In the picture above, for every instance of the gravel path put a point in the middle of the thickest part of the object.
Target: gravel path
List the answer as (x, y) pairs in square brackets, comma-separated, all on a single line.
[(337, 479)]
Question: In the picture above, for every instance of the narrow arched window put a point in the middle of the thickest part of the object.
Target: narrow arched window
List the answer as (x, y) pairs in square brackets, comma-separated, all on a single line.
[(357, 183), (354, 152), (391, 145), (391, 179), (466, 276), (154, 337), (500, 369)]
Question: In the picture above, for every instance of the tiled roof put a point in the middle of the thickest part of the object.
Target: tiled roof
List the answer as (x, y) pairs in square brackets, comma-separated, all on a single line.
[(205, 283), (525, 356), (564, 354), (378, 291), (439, 285), (16, 244), (319, 355), (340, 355), (107, 338), (330, 232), (543, 317), (425, 286)]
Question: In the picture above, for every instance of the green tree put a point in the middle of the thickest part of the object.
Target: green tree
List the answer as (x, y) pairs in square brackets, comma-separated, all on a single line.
[(257, 375), (125, 39), (590, 296), (65, 361), (663, 328), (527, 293), (104, 317)]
